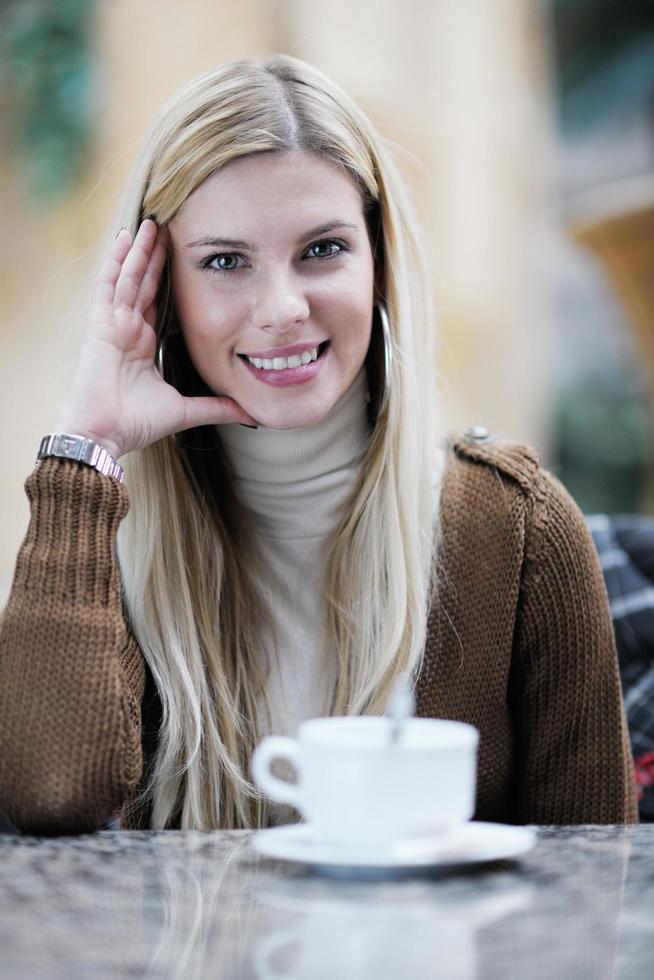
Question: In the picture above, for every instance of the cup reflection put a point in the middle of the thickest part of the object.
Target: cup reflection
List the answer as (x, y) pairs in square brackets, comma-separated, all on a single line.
[(395, 933)]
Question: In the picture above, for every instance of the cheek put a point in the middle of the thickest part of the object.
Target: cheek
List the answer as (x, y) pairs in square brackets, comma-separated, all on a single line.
[(350, 313), (351, 298), (205, 315)]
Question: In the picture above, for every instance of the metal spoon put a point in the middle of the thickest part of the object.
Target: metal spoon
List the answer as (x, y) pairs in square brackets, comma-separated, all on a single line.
[(401, 705)]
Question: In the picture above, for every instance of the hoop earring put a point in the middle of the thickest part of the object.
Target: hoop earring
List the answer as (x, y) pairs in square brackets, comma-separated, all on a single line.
[(388, 354), (159, 355)]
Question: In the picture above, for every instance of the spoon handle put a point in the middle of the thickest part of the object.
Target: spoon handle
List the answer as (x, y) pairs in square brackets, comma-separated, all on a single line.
[(401, 705)]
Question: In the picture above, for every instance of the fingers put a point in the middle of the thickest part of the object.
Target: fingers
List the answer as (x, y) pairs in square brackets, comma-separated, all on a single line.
[(213, 411), (135, 265), (128, 262), (105, 287), (150, 281)]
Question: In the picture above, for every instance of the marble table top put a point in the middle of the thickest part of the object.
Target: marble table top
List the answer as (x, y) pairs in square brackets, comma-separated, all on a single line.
[(187, 904)]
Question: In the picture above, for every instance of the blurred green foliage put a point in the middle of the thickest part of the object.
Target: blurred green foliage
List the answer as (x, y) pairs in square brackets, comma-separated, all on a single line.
[(47, 77), (602, 427), (603, 437), (605, 58)]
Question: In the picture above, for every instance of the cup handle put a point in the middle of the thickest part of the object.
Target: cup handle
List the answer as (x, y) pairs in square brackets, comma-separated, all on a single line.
[(271, 748)]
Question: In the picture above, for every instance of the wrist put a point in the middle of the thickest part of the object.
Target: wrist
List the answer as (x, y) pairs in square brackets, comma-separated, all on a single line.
[(80, 449), (68, 426)]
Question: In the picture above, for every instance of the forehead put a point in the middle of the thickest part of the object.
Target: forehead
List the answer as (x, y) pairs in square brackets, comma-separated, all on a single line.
[(265, 188)]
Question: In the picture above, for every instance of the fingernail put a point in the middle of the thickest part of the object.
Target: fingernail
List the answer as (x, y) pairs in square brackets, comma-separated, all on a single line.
[(246, 426), (124, 228)]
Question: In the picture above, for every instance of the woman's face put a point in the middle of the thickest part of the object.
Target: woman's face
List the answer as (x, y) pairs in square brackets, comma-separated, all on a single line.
[(272, 274)]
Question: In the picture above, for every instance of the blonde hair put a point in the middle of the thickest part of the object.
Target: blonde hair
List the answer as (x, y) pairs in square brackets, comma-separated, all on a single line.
[(195, 605)]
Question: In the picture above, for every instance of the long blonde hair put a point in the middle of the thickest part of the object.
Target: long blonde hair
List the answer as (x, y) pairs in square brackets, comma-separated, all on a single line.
[(195, 604)]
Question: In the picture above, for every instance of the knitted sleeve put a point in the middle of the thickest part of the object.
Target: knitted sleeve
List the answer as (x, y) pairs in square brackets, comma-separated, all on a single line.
[(71, 674), (576, 766)]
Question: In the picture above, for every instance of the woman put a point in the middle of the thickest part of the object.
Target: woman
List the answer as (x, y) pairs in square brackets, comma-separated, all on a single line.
[(291, 538)]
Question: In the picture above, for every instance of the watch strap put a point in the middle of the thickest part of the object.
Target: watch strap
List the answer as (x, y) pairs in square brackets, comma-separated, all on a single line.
[(66, 446)]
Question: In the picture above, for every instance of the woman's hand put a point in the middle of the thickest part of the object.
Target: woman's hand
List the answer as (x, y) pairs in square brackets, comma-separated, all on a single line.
[(118, 397)]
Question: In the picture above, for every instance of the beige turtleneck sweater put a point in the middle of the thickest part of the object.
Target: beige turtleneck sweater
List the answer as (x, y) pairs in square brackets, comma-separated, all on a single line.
[(294, 482)]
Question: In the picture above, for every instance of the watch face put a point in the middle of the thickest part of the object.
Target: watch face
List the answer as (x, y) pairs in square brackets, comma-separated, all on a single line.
[(70, 446)]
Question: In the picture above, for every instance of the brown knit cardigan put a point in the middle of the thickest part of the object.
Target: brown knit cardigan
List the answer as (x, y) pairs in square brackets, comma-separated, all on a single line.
[(519, 644)]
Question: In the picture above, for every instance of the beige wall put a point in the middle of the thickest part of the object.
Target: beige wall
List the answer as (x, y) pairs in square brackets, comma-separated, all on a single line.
[(461, 88)]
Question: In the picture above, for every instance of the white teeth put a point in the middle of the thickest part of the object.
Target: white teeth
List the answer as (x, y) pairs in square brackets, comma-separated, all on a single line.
[(282, 363)]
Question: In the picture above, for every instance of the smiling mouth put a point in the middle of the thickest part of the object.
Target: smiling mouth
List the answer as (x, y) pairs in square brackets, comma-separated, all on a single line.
[(284, 363)]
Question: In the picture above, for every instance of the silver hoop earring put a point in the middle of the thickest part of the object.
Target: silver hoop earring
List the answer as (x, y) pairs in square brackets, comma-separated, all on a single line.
[(159, 356), (388, 354)]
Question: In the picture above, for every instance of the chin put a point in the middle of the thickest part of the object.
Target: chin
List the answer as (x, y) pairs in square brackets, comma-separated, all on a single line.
[(292, 418)]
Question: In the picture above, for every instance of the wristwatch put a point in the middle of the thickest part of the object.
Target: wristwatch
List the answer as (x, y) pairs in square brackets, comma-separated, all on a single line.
[(82, 450)]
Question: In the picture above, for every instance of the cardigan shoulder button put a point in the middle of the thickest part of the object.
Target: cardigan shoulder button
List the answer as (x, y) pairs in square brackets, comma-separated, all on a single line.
[(477, 435)]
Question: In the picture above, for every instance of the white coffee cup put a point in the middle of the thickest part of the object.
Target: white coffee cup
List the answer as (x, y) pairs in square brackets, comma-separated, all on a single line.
[(355, 786)]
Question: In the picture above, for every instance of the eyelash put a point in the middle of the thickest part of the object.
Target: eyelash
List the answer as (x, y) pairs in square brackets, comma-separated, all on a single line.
[(342, 247)]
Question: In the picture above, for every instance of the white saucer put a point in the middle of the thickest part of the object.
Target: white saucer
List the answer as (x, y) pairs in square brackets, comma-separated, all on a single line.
[(471, 843)]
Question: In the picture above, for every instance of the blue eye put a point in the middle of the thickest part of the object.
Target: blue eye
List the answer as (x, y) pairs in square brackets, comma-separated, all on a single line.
[(327, 247), (223, 262), (226, 262)]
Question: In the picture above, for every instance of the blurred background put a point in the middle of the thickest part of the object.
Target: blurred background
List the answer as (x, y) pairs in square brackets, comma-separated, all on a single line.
[(525, 129)]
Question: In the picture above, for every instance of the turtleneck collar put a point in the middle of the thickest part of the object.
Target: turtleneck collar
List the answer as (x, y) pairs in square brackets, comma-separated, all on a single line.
[(294, 480)]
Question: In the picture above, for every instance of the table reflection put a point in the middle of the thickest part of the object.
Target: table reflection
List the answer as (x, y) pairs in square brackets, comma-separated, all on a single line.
[(205, 905)]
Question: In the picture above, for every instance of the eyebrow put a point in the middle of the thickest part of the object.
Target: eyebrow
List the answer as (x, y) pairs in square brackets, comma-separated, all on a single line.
[(236, 243)]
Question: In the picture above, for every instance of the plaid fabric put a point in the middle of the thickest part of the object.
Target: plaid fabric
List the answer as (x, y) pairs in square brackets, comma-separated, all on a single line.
[(625, 544)]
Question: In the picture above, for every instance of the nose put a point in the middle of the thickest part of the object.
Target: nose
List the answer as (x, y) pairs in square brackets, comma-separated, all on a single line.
[(281, 303)]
